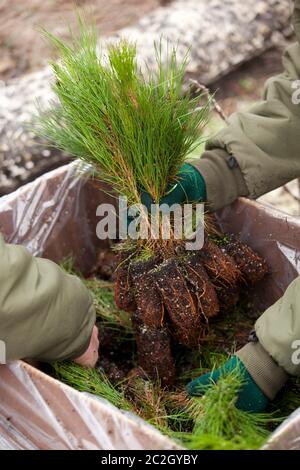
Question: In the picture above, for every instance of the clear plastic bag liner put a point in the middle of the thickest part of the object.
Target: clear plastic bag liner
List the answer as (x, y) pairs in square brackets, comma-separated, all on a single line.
[(38, 412), (273, 234), (55, 217)]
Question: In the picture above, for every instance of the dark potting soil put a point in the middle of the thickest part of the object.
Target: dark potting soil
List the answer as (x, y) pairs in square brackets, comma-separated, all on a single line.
[(225, 333), (154, 351), (252, 266), (173, 300), (224, 274), (151, 333), (181, 303), (135, 376)]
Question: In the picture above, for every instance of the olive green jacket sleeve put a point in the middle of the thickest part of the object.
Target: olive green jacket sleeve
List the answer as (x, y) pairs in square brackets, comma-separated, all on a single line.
[(277, 353), (45, 314), (260, 149)]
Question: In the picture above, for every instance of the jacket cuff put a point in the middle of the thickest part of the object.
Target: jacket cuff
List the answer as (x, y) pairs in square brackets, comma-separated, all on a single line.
[(74, 346), (223, 178), (84, 336), (267, 375)]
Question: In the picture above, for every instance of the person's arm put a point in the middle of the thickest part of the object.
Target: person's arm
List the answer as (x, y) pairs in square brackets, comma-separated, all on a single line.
[(260, 149), (45, 314)]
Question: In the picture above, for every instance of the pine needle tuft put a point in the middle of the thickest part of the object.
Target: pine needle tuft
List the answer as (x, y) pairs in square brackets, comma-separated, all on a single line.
[(135, 130)]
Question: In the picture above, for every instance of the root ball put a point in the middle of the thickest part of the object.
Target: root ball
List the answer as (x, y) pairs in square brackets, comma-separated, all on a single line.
[(252, 266), (180, 302)]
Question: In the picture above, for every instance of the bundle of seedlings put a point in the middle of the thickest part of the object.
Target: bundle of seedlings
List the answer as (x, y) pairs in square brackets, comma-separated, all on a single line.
[(208, 422), (137, 131)]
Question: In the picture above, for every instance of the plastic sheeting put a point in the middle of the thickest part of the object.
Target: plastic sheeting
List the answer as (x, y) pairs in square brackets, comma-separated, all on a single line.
[(38, 412), (55, 217), (273, 234)]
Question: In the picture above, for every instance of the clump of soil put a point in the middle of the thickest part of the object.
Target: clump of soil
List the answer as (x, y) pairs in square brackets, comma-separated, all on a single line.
[(180, 302), (201, 286), (154, 351), (106, 264), (173, 299), (252, 266), (124, 294)]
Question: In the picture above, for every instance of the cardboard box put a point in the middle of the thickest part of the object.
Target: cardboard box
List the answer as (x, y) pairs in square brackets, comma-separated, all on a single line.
[(55, 216)]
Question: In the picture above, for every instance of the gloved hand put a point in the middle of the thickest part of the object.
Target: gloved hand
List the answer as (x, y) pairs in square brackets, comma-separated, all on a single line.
[(250, 397), (190, 187)]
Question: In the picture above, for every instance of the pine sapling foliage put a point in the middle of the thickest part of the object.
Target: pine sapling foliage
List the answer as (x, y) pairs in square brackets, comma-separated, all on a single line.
[(135, 129)]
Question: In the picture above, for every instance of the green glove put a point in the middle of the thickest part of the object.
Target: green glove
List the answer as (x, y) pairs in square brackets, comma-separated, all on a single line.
[(190, 187), (250, 397)]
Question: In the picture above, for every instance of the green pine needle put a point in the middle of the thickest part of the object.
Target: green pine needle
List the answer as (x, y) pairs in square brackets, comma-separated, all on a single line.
[(92, 381), (219, 424), (135, 130)]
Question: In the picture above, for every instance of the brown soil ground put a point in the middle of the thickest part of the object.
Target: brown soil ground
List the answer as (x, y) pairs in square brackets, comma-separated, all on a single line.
[(23, 50), (246, 83), (21, 47)]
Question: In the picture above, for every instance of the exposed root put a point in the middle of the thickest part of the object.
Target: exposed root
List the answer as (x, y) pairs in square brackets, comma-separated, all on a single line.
[(224, 274), (154, 351), (180, 302), (201, 286), (252, 266), (149, 303)]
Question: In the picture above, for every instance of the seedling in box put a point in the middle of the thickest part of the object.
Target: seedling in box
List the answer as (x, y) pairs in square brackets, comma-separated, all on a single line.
[(137, 129)]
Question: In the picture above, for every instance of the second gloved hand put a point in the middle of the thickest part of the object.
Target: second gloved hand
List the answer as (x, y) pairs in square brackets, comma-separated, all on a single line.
[(250, 397)]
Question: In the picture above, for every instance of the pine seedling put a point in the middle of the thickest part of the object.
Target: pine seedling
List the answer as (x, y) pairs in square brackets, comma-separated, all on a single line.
[(135, 130), (92, 381), (219, 424)]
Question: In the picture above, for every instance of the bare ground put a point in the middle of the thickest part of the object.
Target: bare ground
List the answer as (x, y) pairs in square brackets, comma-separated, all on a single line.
[(22, 48)]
